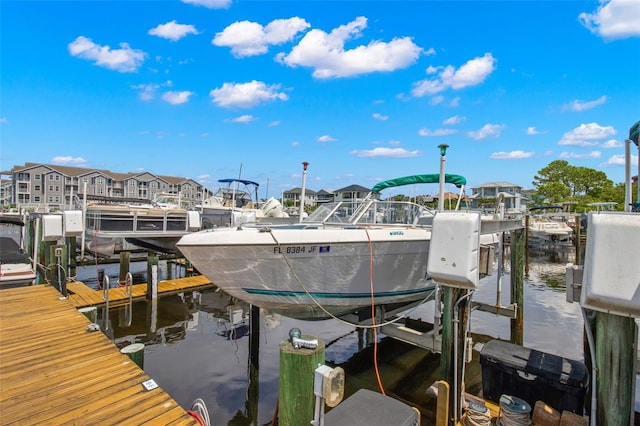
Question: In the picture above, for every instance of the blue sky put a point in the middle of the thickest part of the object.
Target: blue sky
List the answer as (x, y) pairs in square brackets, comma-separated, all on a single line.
[(362, 90)]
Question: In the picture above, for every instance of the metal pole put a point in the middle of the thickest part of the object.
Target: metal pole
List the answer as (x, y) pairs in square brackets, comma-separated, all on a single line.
[(304, 183), (443, 153), (627, 175)]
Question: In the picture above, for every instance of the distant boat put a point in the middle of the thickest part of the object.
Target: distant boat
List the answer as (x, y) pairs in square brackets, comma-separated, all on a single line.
[(16, 268), (550, 225), (234, 204), (343, 258), (157, 225)]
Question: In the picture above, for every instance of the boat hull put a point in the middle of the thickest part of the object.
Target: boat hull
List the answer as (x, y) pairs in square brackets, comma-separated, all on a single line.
[(314, 273)]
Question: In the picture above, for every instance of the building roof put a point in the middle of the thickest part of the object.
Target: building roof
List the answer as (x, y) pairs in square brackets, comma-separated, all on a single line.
[(353, 188), (497, 185), (299, 191)]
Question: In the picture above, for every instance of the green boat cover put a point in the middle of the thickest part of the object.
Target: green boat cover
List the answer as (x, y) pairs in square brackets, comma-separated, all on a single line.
[(457, 180)]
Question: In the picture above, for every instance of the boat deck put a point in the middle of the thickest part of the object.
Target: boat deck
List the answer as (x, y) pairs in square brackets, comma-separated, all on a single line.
[(54, 371), (81, 295)]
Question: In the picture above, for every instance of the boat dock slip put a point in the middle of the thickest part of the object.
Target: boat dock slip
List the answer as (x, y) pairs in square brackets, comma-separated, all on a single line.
[(82, 296), (54, 371)]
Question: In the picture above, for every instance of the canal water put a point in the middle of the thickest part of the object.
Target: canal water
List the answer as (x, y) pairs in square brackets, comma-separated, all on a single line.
[(197, 345)]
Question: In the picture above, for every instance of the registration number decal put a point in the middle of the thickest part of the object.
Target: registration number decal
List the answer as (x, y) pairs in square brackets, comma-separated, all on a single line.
[(301, 249)]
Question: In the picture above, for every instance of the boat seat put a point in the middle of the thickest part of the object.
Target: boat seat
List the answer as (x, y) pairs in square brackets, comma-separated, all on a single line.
[(368, 408)]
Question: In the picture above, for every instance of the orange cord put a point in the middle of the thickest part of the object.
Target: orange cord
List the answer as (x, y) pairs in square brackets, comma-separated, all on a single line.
[(373, 316)]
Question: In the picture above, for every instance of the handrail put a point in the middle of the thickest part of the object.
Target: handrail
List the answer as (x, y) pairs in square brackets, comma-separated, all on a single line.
[(128, 292)]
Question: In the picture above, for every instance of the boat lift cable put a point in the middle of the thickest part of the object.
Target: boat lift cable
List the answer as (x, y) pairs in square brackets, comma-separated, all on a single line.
[(329, 314)]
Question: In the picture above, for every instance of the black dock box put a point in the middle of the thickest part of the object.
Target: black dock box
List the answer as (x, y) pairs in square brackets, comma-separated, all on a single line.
[(533, 376)]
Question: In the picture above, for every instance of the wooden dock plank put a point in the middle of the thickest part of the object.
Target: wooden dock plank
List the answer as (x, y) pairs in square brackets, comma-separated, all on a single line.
[(84, 296), (54, 371)]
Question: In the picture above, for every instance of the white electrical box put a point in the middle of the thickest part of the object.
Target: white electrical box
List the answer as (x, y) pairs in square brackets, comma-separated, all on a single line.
[(194, 222), (611, 280), (51, 227), (72, 223), (454, 249)]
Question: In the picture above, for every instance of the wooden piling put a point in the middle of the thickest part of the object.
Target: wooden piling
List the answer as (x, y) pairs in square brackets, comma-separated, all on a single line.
[(518, 250), (578, 243), (136, 353), (526, 245), (125, 260), (71, 256), (91, 312), (615, 360), (450, 328), (297, 370), (152, 277)]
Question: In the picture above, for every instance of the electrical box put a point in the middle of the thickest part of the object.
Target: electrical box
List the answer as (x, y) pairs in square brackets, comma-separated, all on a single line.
[(454, 249), (611, 279), (72, 223), (51, 227), (193, 221)]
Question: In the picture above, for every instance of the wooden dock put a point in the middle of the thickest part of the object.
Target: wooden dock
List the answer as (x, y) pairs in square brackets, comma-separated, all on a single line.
[(54, 371), (82, 296)]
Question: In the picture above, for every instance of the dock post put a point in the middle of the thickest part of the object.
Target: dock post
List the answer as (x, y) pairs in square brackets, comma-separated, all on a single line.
[(615, 361), (91, 312), (526, 245), (125, 260), (578, 243), (297, 371), (71, 256), (253, 389), (518, 250), (448, 362), (136, 353), (152, 277)]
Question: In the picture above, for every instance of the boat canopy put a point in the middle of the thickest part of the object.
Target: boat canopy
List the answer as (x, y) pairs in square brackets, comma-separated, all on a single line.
[(231, 180), (457, 180)]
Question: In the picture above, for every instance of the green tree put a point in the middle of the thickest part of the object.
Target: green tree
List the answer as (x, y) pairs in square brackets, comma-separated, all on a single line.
[(559, 181)]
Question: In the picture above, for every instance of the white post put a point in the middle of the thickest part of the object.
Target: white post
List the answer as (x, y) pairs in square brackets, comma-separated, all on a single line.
[(84, 219), (443, 153), (627, 175), (304, 183)]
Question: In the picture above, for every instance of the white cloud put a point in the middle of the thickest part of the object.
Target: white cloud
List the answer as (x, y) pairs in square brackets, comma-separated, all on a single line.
[(242, 119), (295, 143), (245, 95), (612, 143), (456, 119), (326, 138), (437, 132), (436, 100), (274, 123), (532, 131), (177, 98), (474, 72), (210, 4), (204, 177), (618, 160), (455, 102), (386, 152), (487, 131), (614, 19), (380, 117), (124, 59), (4, 120), (513, 155), (573, 155), (587, 135), (326, 53), (577, 105), (172, 30), (68, 160), (246, 38)]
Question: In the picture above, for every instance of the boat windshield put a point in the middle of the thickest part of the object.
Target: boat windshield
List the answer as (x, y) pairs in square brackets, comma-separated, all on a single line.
[(374, 212)]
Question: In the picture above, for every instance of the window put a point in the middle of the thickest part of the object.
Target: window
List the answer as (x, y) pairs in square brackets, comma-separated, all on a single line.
[(57, 188), (36, 199), (100, 180), (36, 187), (50, 187), (36, 177), (57, 177), (50, 177)]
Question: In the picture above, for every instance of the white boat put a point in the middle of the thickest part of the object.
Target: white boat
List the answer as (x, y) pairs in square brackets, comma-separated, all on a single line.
[(157, 225), (233, 205), (16, 268), (343, 258), (550, 225)]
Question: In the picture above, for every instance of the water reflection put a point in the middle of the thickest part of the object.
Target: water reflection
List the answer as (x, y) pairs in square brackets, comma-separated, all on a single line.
[(209, 345)]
